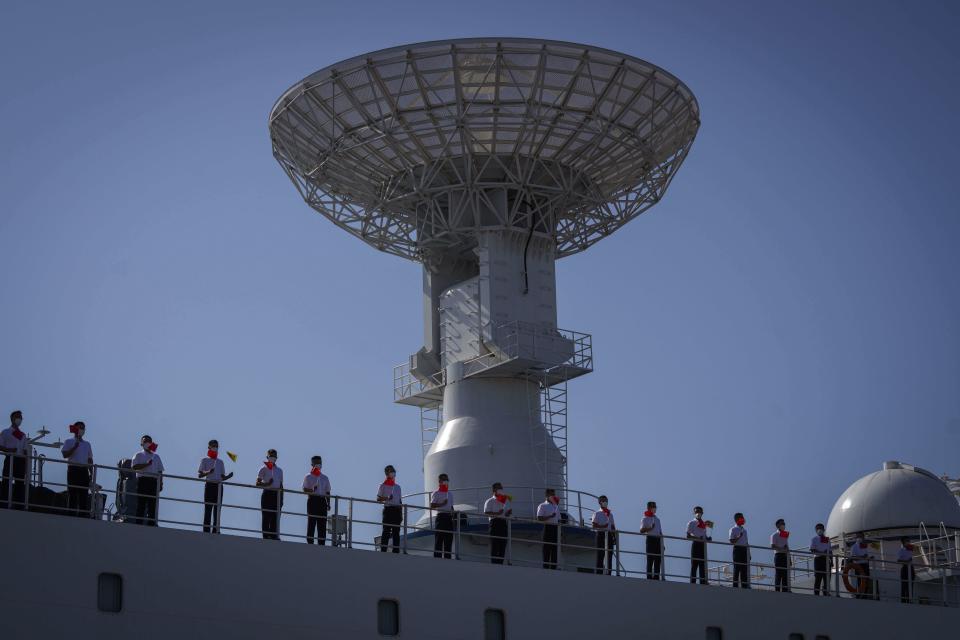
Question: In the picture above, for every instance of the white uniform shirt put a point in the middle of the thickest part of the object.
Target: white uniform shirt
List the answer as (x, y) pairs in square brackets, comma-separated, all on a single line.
[(654, 523), (265, 475), (81, 455), (778, 541), (391, 493), (739, 534), (319, 485), (550, 511), (492, 505), (9, 441), (904, 555), (603, 521), (154, 463), (695, 531), (861, 554), (819, 546), (444, 499), (214, 465)]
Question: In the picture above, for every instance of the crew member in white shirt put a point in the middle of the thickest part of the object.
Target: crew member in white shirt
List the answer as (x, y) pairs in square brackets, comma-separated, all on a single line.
[(212, 471), (602, 522), (498, 508), (697, 532), (860, 557), (441, 501), (781, 556), (270, 479), (907, 575), (741, 552), (149, 468), (13, 442), (650, 525), (317, 487), (548, 512), (820, 547), (390, 496), (79, 456)]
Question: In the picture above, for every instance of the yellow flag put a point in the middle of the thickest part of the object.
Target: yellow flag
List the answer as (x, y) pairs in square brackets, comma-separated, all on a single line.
[(232, 455)]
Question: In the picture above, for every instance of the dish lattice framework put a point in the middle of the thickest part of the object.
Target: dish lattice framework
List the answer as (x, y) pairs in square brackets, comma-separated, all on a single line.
[(406, 148)]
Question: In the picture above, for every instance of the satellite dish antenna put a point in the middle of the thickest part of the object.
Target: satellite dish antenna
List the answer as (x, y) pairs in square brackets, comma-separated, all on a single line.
[(486, 160)]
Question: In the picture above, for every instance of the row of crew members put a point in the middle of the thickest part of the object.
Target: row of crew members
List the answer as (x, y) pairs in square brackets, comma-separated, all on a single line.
[(149, 472)]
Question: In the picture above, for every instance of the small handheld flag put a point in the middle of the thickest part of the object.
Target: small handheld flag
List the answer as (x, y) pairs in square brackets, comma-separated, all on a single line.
[(232, 456)]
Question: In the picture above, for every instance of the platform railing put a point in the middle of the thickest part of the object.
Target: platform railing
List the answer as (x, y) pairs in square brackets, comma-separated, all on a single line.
[(355, 523)]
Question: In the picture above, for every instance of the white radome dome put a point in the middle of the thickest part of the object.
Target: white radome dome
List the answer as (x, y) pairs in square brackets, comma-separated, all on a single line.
[(899, 496)]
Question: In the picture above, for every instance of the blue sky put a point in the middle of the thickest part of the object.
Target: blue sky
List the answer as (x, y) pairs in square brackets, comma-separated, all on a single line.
[(786, 319)]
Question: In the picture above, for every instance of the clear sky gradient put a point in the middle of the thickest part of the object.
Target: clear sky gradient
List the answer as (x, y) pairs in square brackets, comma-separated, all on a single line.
[(785, 320)]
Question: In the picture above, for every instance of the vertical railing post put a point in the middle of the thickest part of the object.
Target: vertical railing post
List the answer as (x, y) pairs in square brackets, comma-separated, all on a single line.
[(405, 516), (350, 524), (456, 551), (92, 491), (336, 520), (559, 545), (509, 541), (27, 462)]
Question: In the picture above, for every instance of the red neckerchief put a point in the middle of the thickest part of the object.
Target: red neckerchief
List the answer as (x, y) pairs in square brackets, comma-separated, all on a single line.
[(824, 539), (648, 513), (211, 454), (315, 471), (740, 522), (555, 499), (605, 511), (501, 499), (74, 428), (389, 481), (442, 488), (269, 465), (701, 524), (17, 433), (784, 534)]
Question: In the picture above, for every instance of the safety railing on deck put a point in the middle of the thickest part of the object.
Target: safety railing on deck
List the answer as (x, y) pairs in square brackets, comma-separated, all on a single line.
[(356, 523)]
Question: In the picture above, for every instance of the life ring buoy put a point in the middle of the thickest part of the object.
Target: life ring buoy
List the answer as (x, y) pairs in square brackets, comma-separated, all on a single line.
[(861, 583)]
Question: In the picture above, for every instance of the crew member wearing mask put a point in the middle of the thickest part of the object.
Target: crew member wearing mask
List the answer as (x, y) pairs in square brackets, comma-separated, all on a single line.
[(389, 495), (79, 456), (317, 487), (548, 512), (781, 556), (149, 468), (602, 522), (697, 531), (820, 547), (650, 525), (498, 509), (860, 556), (441, 501), (212, 471), (907, 575), (270, 479), (13, 442), (741, 552)]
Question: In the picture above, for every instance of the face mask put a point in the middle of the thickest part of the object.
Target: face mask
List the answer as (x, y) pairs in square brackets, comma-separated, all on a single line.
[(315, 470), (272, 458), (212, 453), (697, 515), (146, 446), (603, 505), (740, 522), (17, 421), (819, 532), (555, 499)]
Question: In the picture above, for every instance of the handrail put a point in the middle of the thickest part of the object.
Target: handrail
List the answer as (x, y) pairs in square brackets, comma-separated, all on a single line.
[(350, 520)]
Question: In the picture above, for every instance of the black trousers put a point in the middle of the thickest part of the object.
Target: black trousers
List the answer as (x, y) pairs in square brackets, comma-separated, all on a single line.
[(654, 558), (498, 540), (781, 580), (443, 536), (605, 543), (906, 578), (78, 495), (392, 519), (698, 562), (271, 502), (212, 496), (317, 507), (741, 567), (19, 475), (868, 591), (147, 500), (821, 578), (551, 541)]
